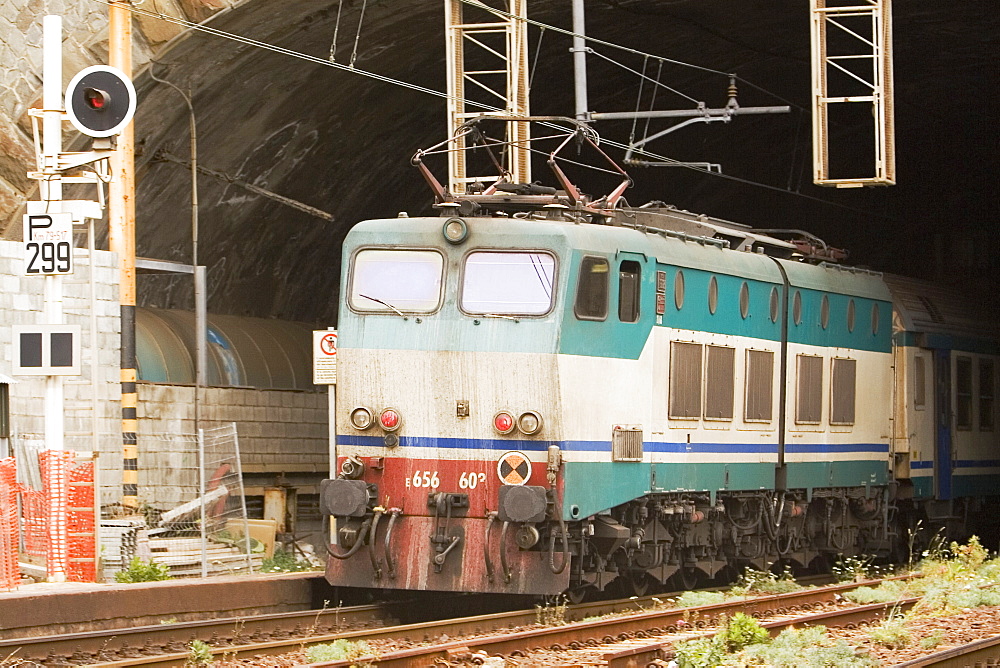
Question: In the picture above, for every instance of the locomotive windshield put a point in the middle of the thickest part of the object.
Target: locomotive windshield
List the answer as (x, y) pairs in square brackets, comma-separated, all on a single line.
[(396, 280), (506, 283)]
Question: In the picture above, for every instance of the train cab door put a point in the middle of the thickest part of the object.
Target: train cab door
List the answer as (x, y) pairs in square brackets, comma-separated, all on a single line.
[(942, 424)]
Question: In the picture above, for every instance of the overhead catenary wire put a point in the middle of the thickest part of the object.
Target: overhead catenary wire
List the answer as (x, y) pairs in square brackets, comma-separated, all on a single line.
[(486, 108)]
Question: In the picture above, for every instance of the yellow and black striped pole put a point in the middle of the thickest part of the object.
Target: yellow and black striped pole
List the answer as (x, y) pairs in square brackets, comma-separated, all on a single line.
[(121, 240)]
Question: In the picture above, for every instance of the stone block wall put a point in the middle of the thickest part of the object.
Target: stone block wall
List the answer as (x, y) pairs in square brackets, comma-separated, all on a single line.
[(21, 303), (282, 433)]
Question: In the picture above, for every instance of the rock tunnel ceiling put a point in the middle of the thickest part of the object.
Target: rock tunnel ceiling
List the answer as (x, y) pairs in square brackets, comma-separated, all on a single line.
[(341, 142)]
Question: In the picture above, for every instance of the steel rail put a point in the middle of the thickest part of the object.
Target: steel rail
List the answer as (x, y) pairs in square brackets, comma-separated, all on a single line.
[(280, 633), (581, 634), (985, 652), (634, 607)]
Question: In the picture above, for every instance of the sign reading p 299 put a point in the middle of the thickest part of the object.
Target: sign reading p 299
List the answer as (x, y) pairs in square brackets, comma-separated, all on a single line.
[(48, 244)]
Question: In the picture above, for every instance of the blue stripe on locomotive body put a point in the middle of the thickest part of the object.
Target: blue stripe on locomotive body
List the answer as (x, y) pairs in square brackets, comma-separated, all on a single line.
[(606, 370)]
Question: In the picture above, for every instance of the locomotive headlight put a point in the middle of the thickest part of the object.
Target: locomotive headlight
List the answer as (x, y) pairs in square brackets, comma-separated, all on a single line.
[(455, 230), (390, 419), (503, 422), (361, 418), (529, 423)]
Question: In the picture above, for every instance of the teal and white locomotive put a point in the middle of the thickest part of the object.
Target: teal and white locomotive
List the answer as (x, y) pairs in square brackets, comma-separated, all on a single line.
[(542, 393)]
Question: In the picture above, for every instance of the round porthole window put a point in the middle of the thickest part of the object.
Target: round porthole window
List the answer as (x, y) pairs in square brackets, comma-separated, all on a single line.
[(797, 308), (713, 295), (850, 316), (744, 300), (679, 289), (774, 304), (824, 312)]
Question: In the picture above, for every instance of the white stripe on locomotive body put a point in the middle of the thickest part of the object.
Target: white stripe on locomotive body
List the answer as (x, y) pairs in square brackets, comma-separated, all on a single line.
[(581, 398)]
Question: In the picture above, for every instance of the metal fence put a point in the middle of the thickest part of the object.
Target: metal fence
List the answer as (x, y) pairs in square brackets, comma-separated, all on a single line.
[(196, 518)]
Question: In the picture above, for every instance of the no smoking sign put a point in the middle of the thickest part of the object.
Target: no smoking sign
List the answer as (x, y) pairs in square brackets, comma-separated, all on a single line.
[(324, 357)]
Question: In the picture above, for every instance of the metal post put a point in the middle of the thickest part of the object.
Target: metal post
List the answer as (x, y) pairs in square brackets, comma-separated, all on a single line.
[(199, 272), (201, 495), (121, 240), (51, 194), (580, 60)]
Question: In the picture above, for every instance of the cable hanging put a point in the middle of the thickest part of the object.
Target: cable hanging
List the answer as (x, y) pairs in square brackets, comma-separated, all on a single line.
[(485, 107)]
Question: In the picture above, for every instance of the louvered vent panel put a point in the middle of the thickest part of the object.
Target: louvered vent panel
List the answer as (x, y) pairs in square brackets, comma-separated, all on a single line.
[(626, 443)]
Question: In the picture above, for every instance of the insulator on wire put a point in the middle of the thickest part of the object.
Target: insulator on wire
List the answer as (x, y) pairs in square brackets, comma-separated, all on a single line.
[(732, 104)]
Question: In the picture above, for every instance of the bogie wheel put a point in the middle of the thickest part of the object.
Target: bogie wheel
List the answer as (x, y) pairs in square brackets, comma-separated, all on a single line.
[(577, 595)]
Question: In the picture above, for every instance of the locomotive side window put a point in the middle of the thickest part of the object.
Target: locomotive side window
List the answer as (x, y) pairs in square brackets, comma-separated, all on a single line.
[(679, 289), (720, 363), (842, 391), (505, 283), (629, 281), (986, 395), (396, 280), (809, 392), (592, 290), (963, 393), (919, 383), (685, 380), (760, 383)]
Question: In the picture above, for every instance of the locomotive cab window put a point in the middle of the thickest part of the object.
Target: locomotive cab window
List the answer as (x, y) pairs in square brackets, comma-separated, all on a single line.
[(396, 280), (592, 289), (629, 281), (919, 383), (508, 283)]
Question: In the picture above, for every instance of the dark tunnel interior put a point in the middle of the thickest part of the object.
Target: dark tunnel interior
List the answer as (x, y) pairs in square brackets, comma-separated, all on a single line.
[(341, 142)]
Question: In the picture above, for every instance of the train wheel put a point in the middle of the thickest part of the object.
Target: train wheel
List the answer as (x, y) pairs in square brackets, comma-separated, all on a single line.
[(686, 578), (633, 584), (577, 595)]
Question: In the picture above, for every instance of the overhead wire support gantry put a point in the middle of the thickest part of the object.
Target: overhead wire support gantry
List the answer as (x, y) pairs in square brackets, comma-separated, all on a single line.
[(498, 45), (852, 66)]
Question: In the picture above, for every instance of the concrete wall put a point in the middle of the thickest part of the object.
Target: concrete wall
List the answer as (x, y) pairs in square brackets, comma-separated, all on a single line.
[(21, 303), (282, 435)]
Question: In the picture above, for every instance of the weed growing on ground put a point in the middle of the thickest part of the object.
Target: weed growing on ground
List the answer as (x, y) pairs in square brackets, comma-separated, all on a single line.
[(801, 648), (339, 650), (143, 571), (554, 614), (199, 654), (694, 599), (754, 582), (284, 562), (891, 632), (933, 640)]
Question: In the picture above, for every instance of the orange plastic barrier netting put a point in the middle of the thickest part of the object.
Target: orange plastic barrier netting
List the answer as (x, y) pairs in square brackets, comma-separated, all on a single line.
[(80, 518), (10, 575)]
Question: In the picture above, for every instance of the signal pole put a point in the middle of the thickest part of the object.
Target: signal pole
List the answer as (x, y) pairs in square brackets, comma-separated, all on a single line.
[(121, 240)]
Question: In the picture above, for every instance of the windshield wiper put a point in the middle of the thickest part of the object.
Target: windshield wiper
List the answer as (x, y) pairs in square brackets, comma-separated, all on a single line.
[(499, 315), (386, 304)]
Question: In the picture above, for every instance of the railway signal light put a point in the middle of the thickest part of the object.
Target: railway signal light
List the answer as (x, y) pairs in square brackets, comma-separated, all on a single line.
[(100, 101)]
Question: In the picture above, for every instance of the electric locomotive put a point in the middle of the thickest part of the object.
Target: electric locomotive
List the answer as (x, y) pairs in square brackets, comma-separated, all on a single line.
[(542, 393)]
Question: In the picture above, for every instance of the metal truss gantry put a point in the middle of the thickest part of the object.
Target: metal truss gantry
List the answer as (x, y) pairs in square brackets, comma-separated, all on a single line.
[(852, 65), (496, 47)]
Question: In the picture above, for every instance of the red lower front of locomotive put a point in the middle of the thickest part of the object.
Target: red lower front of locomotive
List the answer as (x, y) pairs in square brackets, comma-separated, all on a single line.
[(444, 525)]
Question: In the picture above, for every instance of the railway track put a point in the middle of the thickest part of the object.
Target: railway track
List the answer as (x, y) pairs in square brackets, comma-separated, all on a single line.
[(167, 644), (640, 635)]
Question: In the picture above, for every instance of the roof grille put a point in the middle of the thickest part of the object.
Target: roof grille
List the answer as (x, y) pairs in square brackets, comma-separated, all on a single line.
[(931, 309)]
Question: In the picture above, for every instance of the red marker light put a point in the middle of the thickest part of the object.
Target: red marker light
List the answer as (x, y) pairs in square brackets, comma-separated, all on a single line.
[(389, 419), (95, 99), (503, 423)]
